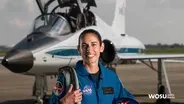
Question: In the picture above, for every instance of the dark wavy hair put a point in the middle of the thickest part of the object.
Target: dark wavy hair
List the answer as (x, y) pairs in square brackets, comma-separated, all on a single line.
[(85, 32)]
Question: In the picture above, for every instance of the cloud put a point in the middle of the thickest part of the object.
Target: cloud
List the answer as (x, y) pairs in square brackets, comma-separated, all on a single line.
[(106, 1), (2, 4), (19, 22), (31, 6), (18, 16), (150, 25)]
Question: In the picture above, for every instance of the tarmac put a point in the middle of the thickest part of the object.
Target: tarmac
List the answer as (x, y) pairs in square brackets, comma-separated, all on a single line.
[(139, 79)]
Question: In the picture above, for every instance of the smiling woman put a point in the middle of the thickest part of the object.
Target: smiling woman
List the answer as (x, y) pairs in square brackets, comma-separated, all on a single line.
[(97, 84)]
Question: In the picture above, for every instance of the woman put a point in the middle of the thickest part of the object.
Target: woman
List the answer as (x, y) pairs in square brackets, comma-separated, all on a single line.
[(98, 84)]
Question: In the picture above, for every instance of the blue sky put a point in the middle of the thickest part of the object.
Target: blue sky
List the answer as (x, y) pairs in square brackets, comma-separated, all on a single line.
[(151, 21)]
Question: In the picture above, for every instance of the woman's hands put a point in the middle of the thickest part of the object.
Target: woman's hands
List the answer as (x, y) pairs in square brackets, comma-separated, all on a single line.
[(71, 96)]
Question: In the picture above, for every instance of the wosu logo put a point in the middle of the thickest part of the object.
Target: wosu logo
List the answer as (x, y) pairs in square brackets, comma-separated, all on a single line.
[(161, 96)]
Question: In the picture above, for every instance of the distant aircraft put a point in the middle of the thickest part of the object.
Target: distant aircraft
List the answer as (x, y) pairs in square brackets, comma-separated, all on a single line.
[(53, 41)]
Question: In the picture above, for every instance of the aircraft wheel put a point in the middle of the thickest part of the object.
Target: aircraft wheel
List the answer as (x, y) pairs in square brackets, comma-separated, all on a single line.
[(133, 61), (162, 101), (46, 99), (34, 89)]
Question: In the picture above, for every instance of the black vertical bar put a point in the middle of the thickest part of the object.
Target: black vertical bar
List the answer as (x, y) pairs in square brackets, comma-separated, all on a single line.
[(159, 74), (40, 6)]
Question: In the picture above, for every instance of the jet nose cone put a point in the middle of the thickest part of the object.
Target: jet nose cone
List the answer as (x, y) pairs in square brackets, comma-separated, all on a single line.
[(18, 61)]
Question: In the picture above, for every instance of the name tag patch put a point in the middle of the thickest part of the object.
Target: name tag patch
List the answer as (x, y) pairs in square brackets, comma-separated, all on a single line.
[(108, 90)]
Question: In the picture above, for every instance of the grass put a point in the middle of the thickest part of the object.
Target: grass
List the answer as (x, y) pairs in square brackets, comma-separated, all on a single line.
[(165, 51), (2, 53)]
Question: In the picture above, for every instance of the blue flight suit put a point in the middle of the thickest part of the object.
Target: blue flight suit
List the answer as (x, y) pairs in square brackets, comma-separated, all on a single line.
[(108, 91)]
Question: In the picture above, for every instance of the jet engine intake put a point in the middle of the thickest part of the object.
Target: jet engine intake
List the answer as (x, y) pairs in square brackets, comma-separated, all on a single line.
[(109, 53)]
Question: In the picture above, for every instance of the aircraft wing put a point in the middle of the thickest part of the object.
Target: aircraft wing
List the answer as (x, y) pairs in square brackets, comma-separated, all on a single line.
[(150, 56)]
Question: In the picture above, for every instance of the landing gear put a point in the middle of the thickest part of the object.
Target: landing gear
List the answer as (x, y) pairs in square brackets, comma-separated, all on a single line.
[(40, 88), (160, 86), (161, 90)]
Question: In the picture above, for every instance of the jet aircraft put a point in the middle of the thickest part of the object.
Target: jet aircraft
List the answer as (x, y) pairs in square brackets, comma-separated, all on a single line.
[(53, 42)]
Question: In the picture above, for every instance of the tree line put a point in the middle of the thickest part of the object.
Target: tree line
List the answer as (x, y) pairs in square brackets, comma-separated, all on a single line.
[(165, 46)]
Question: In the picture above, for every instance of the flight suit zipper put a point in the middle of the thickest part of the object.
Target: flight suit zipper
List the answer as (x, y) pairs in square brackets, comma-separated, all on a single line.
[(96, 88)]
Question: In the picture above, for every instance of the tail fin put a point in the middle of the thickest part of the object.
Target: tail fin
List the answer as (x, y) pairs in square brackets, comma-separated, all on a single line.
[(118, 23)]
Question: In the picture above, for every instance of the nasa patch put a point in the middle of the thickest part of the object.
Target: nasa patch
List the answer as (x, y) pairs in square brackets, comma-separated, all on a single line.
[(58, 88), (126, 101), (87, 90)]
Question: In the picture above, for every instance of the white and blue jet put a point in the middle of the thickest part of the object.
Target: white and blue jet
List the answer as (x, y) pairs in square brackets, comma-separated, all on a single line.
[(53, 41)]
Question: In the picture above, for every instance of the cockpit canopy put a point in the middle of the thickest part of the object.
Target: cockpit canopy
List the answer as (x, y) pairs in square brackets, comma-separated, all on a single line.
[(66, 2), (52, 24)]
